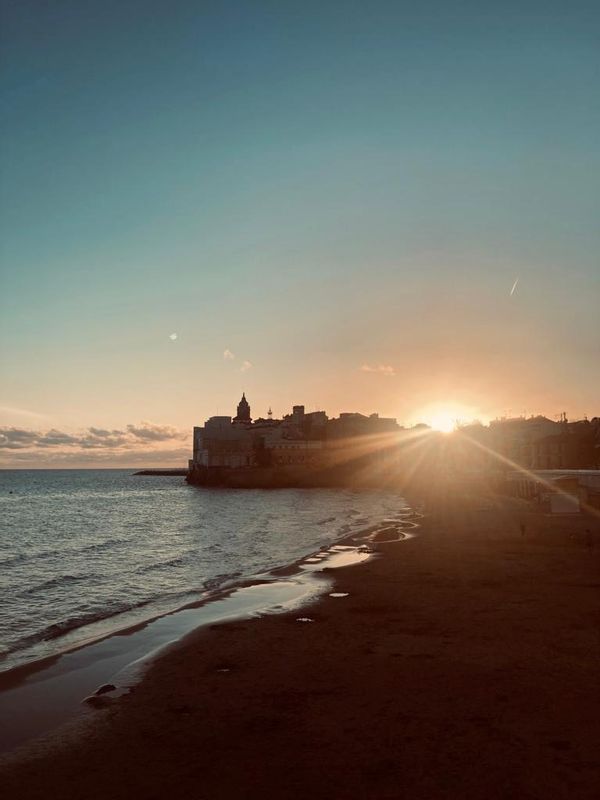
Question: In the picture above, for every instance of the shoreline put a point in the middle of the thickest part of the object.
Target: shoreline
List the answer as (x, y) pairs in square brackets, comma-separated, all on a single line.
[(121, 622), (288, 586), (462, 664)]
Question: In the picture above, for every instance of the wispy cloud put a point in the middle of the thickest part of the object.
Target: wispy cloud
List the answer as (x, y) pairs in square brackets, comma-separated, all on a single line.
[(229, 356), (382, 369), (21, 412)]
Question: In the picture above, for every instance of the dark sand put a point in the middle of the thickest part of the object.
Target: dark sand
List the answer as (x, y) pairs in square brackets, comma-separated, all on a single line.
[(463, 664)]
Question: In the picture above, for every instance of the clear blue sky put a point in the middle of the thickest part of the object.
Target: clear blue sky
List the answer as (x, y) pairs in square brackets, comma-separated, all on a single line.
[(324, 189)]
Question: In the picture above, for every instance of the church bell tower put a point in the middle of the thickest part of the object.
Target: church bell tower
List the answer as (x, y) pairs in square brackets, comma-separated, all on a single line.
[(243, 411)]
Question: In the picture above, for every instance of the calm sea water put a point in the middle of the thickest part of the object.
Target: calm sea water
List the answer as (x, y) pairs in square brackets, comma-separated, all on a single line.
[(87, 552)]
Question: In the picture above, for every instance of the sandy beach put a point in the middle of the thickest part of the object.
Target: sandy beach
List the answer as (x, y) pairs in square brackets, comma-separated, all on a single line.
[(461, 663)]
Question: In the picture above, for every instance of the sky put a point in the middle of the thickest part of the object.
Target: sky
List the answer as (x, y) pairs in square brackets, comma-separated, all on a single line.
[(382, 206)]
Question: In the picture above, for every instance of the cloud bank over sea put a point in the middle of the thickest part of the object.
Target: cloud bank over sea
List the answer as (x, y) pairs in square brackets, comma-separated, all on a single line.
[(145, 443)]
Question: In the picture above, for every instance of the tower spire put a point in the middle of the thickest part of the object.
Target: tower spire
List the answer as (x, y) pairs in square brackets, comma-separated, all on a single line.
[(243, 411)]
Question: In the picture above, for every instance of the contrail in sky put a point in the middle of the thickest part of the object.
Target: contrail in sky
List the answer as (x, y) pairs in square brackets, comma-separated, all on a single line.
[(22, 412), (514, 286)]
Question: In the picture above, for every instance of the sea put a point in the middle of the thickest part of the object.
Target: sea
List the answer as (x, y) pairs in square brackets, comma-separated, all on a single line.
[(85, 553)]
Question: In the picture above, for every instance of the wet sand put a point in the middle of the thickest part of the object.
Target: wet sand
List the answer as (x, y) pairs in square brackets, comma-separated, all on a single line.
[(461, 664)]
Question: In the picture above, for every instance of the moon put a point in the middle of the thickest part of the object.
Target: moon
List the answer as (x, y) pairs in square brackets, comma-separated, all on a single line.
[(173, 336)]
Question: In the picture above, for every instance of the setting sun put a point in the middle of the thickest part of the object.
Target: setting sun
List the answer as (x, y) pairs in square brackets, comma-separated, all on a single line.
[(443, 421), (445, 418)]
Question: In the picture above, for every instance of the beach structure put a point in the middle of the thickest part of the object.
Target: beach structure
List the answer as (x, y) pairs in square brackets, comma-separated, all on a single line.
[(564, 491)]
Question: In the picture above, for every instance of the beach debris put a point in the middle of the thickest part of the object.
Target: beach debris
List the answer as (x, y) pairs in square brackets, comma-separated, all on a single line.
[(304, 619), (338, 594), (97, 701), (106, 687)]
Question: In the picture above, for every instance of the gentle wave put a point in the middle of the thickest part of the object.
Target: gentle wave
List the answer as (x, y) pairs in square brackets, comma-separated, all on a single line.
[(177, 561), (66, 626), (13, 560), (58, 581), (221, 580), (58, 629), (154, 545), (20, 558)]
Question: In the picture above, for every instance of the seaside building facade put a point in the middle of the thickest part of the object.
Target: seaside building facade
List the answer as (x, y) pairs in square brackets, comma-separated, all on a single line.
[(540, 443), (296, 447)]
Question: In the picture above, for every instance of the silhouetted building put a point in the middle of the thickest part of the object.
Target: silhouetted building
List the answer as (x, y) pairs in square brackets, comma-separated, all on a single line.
[(349, 425), (300, 441), (303, 447)]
